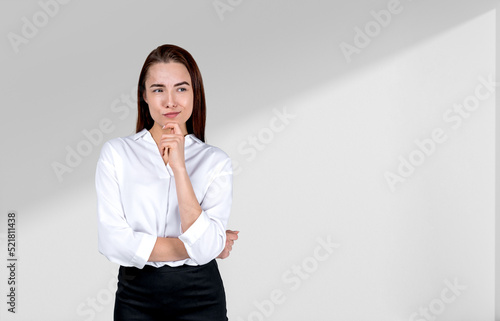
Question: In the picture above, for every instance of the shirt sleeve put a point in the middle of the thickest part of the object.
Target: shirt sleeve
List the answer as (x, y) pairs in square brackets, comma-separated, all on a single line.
[(116, 239), (206, 237)]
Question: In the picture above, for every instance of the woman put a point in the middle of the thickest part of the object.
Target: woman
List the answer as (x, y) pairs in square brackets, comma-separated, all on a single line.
[(164, 198)]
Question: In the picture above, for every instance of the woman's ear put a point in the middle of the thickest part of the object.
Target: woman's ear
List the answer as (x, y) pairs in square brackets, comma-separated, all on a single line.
[(144, 96)]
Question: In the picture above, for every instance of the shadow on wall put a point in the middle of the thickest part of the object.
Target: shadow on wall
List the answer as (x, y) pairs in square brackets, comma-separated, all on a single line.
[(309, 43), (497, 187)]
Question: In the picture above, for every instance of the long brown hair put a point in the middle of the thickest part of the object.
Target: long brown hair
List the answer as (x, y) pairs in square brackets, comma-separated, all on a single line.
[(165, 54)]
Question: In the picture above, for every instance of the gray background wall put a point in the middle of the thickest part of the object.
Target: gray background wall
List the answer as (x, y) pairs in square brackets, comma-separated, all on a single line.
[(313, 132)]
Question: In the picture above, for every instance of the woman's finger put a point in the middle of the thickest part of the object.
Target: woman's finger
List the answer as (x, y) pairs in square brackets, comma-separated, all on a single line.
[(174, 128)]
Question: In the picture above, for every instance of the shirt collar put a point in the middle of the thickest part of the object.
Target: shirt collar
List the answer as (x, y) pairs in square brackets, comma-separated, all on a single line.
[(146, 135)]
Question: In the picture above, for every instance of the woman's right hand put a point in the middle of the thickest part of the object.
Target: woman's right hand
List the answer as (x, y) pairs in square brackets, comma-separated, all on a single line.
[(231, 236)]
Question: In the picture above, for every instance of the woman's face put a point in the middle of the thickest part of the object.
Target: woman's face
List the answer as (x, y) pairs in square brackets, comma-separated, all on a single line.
[(169, 94)]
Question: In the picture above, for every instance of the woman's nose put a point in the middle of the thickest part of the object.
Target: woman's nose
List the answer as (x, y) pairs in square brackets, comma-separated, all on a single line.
[(169, 99)]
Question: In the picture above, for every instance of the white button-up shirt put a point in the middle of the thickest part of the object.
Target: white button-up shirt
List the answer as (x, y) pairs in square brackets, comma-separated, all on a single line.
[(137, 200)]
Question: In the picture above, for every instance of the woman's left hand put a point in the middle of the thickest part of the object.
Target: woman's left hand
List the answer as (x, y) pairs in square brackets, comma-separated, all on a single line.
[(172, 146), (231, 236)]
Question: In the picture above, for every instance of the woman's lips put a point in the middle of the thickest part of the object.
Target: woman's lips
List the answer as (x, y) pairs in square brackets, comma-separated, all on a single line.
[(171, 115)]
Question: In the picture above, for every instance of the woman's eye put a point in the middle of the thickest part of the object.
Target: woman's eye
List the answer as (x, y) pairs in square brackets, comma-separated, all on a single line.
[(157, 90), (182, 89)]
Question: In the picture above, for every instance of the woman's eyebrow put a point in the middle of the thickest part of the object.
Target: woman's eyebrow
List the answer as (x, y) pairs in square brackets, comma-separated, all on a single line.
[(176, 85)]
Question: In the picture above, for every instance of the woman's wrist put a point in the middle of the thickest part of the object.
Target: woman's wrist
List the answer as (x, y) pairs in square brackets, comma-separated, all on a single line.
[(179, 171)]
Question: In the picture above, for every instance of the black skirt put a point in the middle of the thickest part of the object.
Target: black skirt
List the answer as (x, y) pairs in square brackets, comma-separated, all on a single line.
[(194, 293)]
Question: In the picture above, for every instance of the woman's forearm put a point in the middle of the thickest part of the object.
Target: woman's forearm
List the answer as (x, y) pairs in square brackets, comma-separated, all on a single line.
[(168, 249), (189, 208)]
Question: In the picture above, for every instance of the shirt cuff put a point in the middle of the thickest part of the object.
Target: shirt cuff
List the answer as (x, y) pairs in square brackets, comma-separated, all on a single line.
[(144, 251), (196, 230)]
